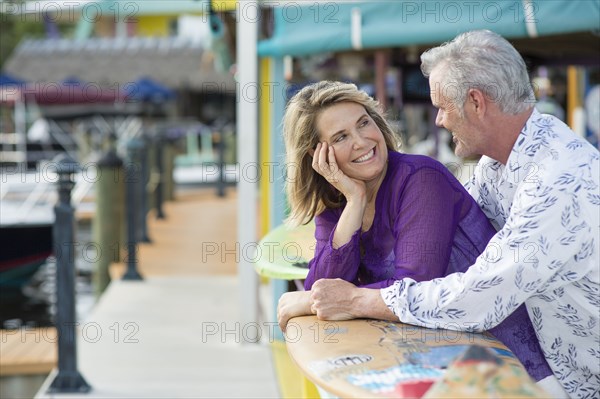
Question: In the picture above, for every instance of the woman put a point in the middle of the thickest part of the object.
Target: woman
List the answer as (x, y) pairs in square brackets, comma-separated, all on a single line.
[(380, 215)]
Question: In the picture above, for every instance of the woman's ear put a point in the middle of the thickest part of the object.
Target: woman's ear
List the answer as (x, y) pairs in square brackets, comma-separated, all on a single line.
[(311, 152)]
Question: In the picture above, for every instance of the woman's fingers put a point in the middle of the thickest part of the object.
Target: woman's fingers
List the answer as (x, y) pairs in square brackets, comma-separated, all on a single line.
[(319, 163), (323, 159), (333, 167), (315, 161), (324, 162)]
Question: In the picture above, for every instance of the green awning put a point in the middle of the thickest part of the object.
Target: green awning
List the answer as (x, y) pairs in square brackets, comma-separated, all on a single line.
[(317, 27)]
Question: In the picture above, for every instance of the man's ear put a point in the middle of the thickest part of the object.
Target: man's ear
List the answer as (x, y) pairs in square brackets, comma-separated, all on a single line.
[(477, 99)]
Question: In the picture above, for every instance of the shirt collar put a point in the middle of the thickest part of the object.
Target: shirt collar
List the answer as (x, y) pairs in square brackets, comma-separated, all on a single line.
[(518, 158)]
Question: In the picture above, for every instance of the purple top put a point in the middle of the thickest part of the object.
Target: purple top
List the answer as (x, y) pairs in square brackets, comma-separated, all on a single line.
[(426, 225)]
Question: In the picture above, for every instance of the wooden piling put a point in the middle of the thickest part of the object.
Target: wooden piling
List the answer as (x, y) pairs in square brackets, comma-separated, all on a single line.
[(107, 226)]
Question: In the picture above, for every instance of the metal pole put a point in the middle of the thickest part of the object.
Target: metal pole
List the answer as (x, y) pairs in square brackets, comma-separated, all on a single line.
[(133, 178), (247, 125), (169, 166), (160, 141), (142, 187), (68, 378), (221, 183)]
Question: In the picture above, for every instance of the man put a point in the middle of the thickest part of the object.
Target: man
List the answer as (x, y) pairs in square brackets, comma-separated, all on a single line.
[(538, 183)]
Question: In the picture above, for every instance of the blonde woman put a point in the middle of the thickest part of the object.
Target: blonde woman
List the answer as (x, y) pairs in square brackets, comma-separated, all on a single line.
[(380, 215)]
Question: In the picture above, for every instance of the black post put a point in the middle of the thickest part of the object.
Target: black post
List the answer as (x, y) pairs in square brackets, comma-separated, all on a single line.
[(68, 378), (143, 191), (132, 180), (160, 141), (221, 183)]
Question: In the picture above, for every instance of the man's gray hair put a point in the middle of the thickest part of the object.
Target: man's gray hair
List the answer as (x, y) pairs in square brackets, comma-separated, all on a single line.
[(481, 60)]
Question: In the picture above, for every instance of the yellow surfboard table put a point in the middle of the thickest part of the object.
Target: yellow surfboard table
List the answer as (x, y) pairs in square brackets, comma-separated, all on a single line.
[(284, 252), (374, 359)]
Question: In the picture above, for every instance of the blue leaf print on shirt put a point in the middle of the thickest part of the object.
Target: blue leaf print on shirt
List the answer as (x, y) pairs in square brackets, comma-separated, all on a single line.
[(565, 218), (530, 286), (544, 245), (575, 144), (594, 352), (577, 227), (413, 305), (443, 296), (569, 276), (567, 240), (531, 149), (555, 264), (587, 249), (485, 284), (576, 207), (538, 207), (455, 313), (498, 308), (591, 291), (488, 321), (537, 319), (565, 179), (589, 185), (593, 198)]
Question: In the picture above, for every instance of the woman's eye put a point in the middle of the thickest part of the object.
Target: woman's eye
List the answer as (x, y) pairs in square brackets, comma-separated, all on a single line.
[(339, 138), (364, 123)]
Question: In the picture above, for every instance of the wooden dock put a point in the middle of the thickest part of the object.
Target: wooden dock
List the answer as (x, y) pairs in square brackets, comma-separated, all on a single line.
[(151, 338), (27, 351), (197, 224), (175, 251)]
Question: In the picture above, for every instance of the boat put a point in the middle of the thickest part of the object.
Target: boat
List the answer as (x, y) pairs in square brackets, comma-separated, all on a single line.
[(31, 136), (25, 249), (26, 222)]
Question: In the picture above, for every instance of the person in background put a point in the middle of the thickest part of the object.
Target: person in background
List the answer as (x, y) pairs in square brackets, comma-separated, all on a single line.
[(539, 184), (380, 215)]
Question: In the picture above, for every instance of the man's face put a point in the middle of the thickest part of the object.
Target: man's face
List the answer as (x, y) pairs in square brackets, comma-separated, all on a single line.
[(465, 136)]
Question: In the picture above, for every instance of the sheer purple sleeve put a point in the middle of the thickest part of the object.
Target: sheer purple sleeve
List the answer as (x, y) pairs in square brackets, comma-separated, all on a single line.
[(424, 213), (329, 262)]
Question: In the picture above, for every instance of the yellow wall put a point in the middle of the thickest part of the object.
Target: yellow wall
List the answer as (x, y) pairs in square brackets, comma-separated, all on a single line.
[(224, 5), (154, 25), (265, 110)]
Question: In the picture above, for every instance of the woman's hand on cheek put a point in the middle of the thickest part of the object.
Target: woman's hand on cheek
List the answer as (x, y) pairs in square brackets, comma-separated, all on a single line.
[(325, 164)]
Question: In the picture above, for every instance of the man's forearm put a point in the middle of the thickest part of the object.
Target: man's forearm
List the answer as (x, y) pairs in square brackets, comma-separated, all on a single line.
[(370, 305), (336, 299)]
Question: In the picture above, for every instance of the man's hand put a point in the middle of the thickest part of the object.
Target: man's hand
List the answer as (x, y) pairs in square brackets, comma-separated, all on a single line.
[(336, 299), (292, 304)]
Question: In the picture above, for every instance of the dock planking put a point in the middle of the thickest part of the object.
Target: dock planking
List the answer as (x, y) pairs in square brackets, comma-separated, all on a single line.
[(198, 237), (27, 351), (177, 249)]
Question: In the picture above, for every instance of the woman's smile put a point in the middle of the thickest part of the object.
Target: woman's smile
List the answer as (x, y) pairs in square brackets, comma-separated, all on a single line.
[(366, 157)]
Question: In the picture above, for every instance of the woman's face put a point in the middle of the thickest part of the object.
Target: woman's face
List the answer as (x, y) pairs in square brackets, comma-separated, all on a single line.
[(358, 144)]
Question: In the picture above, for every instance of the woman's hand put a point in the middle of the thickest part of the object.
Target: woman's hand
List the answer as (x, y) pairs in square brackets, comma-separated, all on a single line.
[(325, 164), (292, 304), (355, 192)]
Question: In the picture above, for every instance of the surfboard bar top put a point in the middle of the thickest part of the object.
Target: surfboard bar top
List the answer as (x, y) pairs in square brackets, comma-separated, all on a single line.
[(370, 358), (284, 252)]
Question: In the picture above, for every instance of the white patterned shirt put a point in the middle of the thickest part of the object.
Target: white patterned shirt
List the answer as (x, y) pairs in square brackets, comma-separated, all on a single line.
[(546, 204)]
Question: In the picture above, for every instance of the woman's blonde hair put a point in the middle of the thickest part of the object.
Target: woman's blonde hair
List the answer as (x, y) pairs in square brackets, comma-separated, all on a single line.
[(308, 192)]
